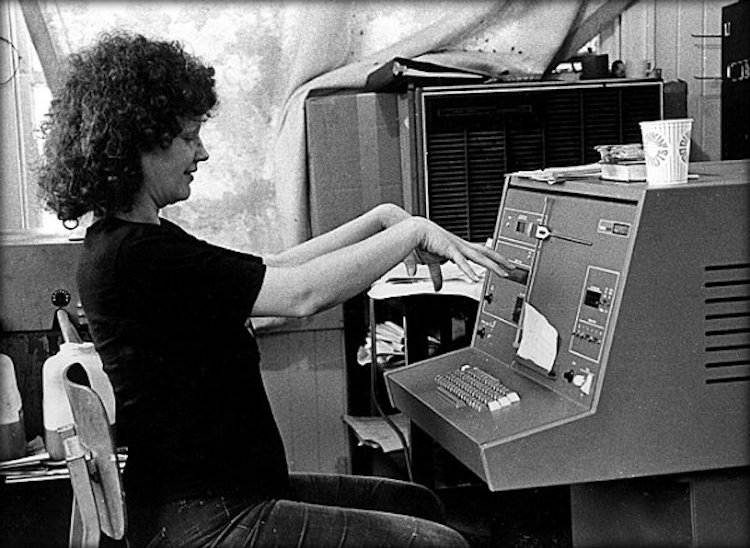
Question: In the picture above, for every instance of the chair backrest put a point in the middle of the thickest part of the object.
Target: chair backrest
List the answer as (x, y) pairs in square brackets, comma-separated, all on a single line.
[(92, 461)]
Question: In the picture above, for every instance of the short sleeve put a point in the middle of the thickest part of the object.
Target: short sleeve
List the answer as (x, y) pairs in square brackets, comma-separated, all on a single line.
[(177, 275)]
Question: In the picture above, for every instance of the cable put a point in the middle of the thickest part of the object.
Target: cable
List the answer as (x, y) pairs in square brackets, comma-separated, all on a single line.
[(15, 61), (373, 395), (397, 430)]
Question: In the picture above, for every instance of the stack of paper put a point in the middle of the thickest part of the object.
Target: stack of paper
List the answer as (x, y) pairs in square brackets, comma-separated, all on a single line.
[(389, 344), (554, 175)]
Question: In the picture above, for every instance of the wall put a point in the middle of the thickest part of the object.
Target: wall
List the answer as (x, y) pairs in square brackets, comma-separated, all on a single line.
[(671, 34), (304, 370)]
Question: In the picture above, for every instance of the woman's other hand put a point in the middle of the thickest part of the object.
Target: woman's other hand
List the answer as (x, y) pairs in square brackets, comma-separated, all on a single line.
[(438, 245), (391, 214)]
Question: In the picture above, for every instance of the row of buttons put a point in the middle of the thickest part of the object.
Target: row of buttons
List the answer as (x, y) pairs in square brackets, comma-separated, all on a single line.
[(476, 388), (587, 337)]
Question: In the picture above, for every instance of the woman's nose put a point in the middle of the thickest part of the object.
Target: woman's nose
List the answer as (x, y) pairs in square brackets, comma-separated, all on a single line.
[(201, 154)]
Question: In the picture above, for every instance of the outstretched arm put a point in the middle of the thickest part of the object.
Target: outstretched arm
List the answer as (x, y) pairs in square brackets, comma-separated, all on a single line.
[(373, 221), (333, 277)]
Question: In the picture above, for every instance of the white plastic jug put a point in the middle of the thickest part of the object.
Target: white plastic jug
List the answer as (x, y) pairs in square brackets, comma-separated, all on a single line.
[(12, 434), (55, 406)]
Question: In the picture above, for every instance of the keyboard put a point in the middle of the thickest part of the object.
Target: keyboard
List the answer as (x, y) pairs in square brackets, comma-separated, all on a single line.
[(470, 385)]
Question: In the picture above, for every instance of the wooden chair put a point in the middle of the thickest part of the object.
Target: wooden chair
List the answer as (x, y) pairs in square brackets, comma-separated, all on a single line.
[(99, 499)]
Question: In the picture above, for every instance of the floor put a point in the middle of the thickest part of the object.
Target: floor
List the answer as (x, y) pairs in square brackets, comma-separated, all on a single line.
[(525, 519)]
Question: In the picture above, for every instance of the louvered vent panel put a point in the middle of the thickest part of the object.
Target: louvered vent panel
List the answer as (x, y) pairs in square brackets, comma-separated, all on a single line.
[(466, 171), (727, 323), (525, 147), (486, 177), (563, 124), (601, 121), (473, 139), (447, 165), (638, 105)]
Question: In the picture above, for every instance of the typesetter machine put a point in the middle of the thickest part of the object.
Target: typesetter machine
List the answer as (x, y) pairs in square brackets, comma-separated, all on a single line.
[(619, 348)]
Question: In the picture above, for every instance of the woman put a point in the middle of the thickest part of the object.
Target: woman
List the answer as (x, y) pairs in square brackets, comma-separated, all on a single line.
[(169, 316)]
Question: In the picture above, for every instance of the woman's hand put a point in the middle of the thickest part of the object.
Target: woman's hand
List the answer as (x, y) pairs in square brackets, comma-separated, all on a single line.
[(438, 245), (391, 214)]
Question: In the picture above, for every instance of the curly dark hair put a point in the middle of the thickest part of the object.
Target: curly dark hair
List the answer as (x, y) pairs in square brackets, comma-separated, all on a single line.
[(124, 95)]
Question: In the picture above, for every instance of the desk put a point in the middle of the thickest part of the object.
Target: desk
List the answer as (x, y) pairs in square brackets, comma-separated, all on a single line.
[(36, 503), (35, 509), (33, 468)]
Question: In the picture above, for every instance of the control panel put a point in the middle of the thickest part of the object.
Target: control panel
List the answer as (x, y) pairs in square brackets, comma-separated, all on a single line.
[(568, 258), (593, 313)]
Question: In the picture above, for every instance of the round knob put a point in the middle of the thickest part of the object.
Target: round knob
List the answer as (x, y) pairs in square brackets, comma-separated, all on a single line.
[(60, 298)]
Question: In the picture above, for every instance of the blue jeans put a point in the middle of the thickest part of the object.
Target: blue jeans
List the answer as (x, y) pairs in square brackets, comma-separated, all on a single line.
[(323, 510)]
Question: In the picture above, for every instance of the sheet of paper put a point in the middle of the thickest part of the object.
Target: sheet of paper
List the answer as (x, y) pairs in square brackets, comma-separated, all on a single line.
[(375, 431), (538, 340), (554, 175), (397, 282)]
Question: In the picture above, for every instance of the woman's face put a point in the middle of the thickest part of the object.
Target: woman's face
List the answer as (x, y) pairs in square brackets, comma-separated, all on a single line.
[(168, 172)]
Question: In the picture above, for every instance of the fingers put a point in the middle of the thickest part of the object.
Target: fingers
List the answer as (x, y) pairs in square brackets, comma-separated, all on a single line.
[(463, 264), (436, 274), (489, 258), (437, 243), (411, 264)]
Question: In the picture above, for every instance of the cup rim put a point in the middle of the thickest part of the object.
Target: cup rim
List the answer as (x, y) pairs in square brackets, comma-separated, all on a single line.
[(666, 120)]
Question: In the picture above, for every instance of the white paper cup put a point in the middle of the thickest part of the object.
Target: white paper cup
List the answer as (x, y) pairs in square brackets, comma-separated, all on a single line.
[(666, 147)]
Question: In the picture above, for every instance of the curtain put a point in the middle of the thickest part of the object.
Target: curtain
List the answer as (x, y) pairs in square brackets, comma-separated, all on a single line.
[(47, 33), (520, 37)]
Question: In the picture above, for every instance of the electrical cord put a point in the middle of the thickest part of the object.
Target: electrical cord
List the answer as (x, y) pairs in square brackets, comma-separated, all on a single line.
[(15, 61), (394, 426), (373, 394), (396, 429)]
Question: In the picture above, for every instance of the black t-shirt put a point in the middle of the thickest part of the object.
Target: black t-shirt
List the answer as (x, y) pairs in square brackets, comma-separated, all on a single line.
[(168, 315)]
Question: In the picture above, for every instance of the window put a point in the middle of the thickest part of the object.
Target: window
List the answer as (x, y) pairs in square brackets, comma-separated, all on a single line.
[(233, 201), (24, 97)]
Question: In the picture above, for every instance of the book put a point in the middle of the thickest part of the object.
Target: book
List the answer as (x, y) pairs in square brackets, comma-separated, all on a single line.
[(624, 171), (399, 72)]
